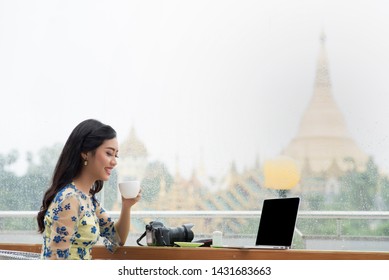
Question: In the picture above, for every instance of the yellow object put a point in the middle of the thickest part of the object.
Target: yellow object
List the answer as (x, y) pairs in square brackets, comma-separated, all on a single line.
[(281, 173), (188, 244)]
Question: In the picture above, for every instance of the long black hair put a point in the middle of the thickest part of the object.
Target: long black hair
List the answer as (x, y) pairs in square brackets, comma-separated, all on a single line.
[(85, 137)]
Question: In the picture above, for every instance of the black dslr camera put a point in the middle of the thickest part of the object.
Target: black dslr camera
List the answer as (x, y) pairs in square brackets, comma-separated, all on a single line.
[(159, 235)]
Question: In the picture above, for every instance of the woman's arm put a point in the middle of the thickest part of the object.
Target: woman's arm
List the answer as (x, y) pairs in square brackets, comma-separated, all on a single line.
[(122, 225), (65, 219)]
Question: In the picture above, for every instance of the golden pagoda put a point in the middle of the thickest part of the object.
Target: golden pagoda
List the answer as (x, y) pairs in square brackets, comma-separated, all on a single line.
[(323, 144)]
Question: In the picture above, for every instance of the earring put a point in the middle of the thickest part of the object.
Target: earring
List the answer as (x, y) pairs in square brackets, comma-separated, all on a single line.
[(85, 162)]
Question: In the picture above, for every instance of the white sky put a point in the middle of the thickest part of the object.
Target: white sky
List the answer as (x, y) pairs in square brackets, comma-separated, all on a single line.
[(217, 80)]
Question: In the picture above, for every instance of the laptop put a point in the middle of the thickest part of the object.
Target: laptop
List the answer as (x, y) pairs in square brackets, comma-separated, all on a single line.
[(276, 225)]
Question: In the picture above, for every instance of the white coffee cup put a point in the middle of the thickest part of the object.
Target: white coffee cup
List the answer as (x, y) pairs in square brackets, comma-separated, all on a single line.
[(129, 189)]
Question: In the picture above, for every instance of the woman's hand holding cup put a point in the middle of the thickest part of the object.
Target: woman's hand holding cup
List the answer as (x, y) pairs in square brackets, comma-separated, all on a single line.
[(130, 191)]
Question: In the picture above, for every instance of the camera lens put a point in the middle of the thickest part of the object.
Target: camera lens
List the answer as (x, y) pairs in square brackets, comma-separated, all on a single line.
[(182, 234)]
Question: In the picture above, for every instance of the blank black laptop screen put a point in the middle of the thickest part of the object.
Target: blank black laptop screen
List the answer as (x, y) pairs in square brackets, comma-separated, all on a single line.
[(278, 221)]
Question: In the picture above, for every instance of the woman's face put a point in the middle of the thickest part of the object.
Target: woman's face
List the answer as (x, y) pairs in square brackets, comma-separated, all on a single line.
[(101, 164)]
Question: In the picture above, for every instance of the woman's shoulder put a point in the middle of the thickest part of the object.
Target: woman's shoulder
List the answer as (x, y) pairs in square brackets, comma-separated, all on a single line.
[(68, 191)]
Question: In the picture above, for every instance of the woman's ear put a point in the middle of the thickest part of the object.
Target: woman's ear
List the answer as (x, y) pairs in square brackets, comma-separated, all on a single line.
[(84, 156)]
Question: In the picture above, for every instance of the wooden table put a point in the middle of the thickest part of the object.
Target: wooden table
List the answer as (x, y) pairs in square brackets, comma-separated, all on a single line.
[(203, 253)]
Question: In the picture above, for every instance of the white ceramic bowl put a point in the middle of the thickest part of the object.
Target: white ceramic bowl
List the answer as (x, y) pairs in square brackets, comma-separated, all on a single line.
[(129, 189)]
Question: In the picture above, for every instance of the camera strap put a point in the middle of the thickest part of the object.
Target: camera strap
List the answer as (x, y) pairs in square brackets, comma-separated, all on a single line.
[(140, 238)]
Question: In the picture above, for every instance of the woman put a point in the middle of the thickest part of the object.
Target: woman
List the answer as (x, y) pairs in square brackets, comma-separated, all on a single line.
[(71, 218)]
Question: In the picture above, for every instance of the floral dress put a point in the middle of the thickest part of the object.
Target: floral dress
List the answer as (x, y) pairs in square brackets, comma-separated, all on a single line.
[(73, 224)]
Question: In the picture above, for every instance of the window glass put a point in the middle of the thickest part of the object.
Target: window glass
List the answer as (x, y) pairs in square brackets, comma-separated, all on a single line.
[(204, 97)]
